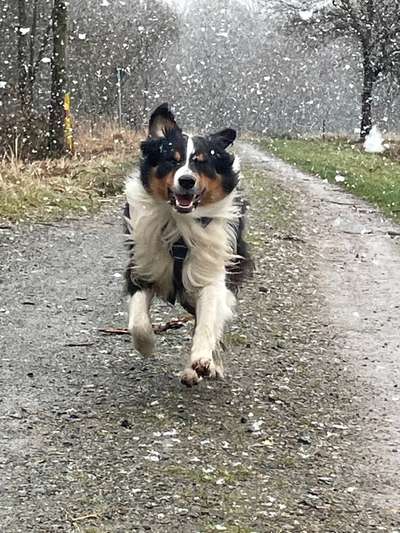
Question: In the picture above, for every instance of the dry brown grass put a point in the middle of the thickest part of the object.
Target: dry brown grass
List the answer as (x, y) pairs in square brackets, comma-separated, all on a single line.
[(51, 189), (105, 138), (394, 150)]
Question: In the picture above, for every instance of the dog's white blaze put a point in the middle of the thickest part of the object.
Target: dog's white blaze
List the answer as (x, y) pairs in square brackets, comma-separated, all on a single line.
[(185, 170)]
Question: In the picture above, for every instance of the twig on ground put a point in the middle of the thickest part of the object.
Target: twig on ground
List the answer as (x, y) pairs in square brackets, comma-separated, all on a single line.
[(50, 225), (114, 331), (175, 323), (78, 344), (292, 238), (85, 517), (358, 232), (339, 203)]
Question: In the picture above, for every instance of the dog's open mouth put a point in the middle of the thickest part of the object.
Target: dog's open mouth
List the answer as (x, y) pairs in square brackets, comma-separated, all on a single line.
[(184, 203)]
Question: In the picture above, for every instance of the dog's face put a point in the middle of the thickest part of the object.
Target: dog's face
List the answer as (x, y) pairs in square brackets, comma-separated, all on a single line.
[(186, 171)]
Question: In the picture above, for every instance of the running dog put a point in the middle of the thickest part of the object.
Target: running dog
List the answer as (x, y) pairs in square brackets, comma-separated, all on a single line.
[(184, 220)]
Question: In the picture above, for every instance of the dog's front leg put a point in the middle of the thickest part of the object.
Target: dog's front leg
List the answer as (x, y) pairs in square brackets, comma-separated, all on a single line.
[(139, 325), (213, 307)]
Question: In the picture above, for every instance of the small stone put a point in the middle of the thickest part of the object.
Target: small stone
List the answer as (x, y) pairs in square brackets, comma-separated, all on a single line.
[(304, 438), (255, 427), (325, 479), (272, 396)]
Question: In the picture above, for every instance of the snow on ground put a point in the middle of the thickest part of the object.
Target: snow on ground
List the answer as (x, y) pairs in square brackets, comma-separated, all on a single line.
[(374, 142)]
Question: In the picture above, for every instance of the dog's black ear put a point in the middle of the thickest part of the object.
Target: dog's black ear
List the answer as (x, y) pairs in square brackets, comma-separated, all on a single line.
[(161, 121), (224, 137)]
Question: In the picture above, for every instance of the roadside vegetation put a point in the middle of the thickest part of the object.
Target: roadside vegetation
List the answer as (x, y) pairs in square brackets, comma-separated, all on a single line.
[(373, 177), (53, 188)]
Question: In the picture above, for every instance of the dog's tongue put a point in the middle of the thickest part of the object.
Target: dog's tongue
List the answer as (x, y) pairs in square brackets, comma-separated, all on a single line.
[(184, 200)]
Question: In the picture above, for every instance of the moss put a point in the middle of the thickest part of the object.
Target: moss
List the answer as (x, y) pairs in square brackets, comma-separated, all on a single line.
[(235, 339)]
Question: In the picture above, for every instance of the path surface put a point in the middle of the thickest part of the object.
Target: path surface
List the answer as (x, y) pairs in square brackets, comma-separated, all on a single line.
[(304, 433)]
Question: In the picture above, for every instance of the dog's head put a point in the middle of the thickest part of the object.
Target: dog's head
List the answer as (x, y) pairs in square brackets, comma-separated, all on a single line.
[(186, 171)]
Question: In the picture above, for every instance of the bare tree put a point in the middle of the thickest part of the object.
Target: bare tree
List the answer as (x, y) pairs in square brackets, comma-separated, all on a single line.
[(38, 44), (104, 40), (58, 82), (31, 46), (21, 55), (373, 24)]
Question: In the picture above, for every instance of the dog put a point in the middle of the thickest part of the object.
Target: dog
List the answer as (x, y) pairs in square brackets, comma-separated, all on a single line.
[(184, 222)]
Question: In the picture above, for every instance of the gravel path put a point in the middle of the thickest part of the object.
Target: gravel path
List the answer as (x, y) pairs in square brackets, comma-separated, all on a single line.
[(304, 433)]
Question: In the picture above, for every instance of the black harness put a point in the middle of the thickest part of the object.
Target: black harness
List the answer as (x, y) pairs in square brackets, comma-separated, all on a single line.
[(178, 252)]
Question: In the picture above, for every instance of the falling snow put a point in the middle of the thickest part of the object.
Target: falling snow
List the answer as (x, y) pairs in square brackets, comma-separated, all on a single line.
[(95, 438), (252, 68)]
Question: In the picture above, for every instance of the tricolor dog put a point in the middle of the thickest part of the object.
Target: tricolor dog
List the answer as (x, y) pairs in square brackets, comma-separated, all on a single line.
[(184, 222)]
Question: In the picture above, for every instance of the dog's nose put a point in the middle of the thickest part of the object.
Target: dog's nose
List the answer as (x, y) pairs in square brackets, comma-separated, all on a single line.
[(187, 182)]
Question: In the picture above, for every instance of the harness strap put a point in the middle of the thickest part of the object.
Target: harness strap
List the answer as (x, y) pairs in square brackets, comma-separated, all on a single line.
[(179, 251)]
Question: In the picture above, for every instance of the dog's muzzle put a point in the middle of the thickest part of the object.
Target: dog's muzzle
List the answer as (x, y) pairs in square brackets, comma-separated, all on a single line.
[(185, 196)]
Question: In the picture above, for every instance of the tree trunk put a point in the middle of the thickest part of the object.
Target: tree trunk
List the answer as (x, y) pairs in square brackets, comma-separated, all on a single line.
[(22, 60), (58, 82), (32, 43), (366, 100)]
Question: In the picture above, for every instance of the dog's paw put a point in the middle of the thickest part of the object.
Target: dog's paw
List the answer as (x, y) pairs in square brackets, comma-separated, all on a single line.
[(204, 367), (190, 377), (143, 340)]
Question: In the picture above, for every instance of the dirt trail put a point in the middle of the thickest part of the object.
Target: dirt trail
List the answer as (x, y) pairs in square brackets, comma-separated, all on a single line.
[(359, 271), (303, 435)]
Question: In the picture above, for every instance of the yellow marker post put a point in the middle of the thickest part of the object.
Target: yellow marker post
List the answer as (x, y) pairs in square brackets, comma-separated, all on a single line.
[(68, 123)]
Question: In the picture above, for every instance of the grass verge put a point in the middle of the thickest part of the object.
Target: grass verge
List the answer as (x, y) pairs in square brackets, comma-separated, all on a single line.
[(52, 189), (374, 177)]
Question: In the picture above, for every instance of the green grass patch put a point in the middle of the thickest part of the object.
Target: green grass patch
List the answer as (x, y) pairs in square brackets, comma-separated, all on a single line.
[(373, 177)]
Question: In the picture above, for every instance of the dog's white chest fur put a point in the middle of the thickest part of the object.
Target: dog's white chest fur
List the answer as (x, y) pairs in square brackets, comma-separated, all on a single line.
[(155, 227)]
